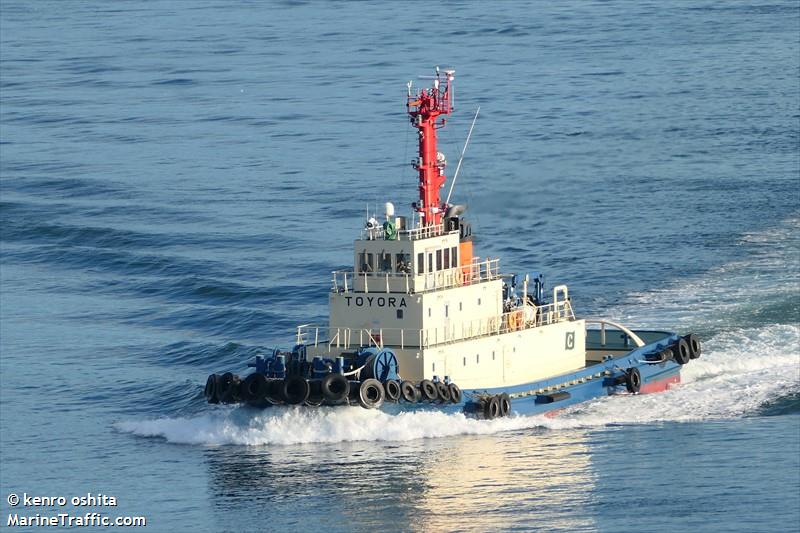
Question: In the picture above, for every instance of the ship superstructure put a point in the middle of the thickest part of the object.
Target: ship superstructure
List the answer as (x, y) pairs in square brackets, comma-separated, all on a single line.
[(420, 312)]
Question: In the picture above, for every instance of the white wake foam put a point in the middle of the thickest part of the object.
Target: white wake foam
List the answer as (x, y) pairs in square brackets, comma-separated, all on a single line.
[(737, 373), (303, 425)]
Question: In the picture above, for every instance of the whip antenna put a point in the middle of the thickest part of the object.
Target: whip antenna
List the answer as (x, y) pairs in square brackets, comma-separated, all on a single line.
[(460, 159)]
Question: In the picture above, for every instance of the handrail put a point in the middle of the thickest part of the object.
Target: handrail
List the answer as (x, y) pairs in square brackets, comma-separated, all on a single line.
[(636, 339), (475, 272), (422, 232), (521, 318)]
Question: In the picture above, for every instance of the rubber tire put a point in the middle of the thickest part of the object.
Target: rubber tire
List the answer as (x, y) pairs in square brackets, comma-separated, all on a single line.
[(491, 408), (254, 388), (295, 390), (315, 397), (695, 349), (274, 391), (680, 352), (371, 394), (313, 402), (210, 392), (392, 390), (408, 392), (228, 388), (335, 388), (633, 380), (443, 392), (505, 404), (455, 393), (428, 390)]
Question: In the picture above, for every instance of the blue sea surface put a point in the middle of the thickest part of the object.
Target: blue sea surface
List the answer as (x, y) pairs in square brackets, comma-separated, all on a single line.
[(179, 179)]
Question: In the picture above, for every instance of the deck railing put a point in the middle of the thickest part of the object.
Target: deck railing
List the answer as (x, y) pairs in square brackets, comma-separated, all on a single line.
[(413, 234), (475, 272), (526, 317)]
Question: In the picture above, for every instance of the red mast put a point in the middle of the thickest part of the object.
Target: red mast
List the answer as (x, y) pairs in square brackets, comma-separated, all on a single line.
[(424, 110)]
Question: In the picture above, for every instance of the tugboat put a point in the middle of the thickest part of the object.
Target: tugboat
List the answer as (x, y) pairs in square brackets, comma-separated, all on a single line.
[(421, 322)]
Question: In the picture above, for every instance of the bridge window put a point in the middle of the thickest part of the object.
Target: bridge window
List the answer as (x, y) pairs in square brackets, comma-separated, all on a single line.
[(446, 258), (438, 259), (386, 262), (403, 263), (446, 310), (420, 263), (454, 256), (367, 262), (478, 358), (465, 361)]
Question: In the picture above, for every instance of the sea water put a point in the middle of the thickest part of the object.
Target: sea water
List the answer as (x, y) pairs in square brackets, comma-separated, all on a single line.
[(180, 178)]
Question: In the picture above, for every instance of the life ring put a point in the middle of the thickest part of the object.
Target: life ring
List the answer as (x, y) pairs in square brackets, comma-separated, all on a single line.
[(511, 321), (633, 380), (439, 278)]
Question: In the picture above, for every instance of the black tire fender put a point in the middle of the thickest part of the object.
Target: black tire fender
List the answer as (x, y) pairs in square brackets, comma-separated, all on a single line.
[(695, 349), (443, 392), (505, 404), (274, 391), (228, 388), (455, 393), (371, 394), (680, 352), (254, 388), (335, 388), (428, 390), (491, 408), (392, 390), (210, 391), (295, 390), (633, 380), (408, 392)]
